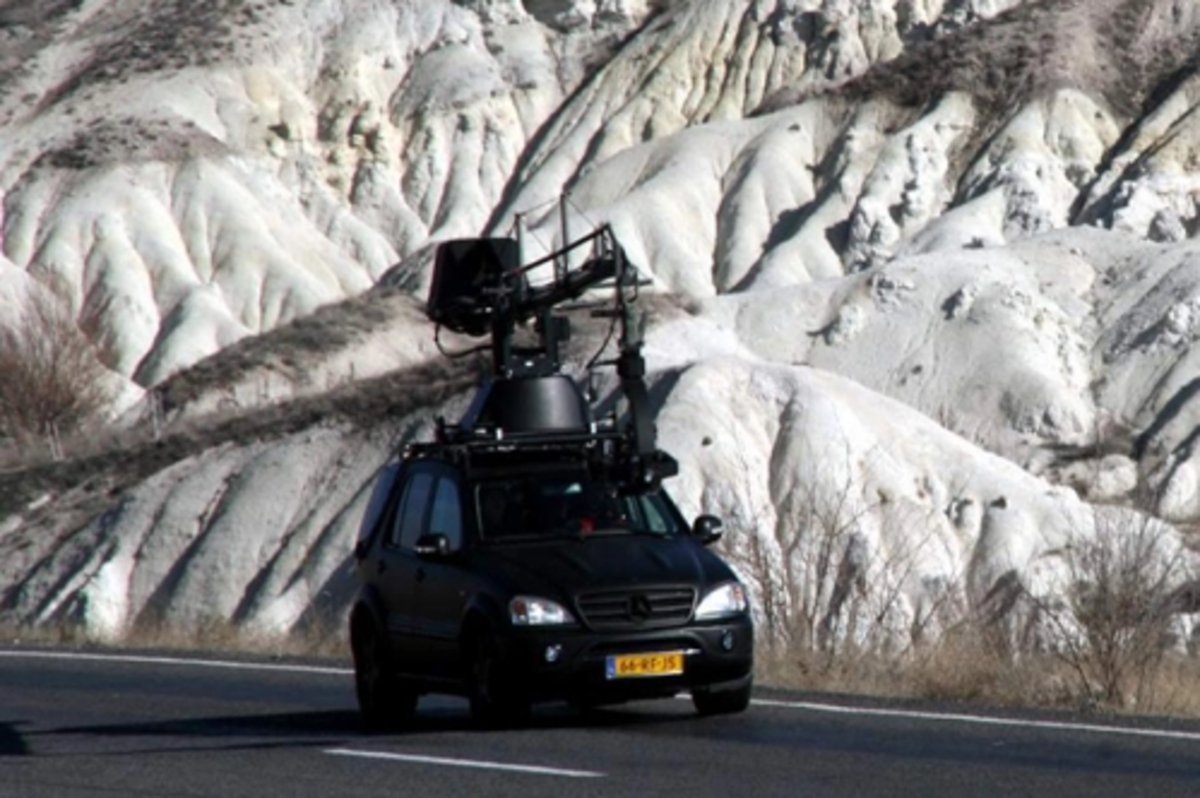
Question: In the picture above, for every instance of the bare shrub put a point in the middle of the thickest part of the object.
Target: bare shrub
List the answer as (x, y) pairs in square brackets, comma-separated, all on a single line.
[(1112, 625), (842, 590), (828, 562), (51, 382)]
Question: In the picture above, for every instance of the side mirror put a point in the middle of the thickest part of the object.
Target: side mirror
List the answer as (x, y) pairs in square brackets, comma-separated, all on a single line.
[(434, 545), (361, 549), (707, 529)]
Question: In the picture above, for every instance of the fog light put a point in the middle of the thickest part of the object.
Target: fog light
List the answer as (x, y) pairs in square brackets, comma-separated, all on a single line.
[(727, 641), (553, 653)]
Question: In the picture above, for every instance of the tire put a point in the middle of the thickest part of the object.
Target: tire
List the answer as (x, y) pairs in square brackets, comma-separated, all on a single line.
[(384, 699), (722, 702), (585, 707), (495, 700)]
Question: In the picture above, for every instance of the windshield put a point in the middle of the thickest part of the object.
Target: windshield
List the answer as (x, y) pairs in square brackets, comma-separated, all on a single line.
[(530, 507)]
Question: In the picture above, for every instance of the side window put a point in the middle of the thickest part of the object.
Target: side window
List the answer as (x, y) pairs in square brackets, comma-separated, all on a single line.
[(381, 510), (447, 512), (652, 511), (409, 520)]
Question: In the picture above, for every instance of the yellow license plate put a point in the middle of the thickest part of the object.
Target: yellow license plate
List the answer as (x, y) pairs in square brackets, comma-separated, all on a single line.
[(663, 663)]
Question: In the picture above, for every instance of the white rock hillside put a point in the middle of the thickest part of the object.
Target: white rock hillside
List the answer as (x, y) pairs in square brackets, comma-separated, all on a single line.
[(932, 263)]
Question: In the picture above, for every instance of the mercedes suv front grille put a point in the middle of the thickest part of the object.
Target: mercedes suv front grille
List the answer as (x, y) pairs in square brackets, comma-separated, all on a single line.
[(641, 608)]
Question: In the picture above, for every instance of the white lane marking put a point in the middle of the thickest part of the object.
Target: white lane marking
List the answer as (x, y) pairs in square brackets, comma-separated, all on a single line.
[(980, 720), (202, 663), (478, 764)]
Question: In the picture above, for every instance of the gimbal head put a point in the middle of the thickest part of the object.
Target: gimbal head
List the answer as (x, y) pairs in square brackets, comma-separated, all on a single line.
[(480, 288)]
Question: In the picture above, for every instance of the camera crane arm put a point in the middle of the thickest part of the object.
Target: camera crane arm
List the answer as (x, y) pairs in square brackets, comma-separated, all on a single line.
[(519, 302), (480, 288)]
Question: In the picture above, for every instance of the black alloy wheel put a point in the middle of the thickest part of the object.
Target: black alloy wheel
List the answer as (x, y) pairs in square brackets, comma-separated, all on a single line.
[(384, 699), (722, 702), (496, 702)]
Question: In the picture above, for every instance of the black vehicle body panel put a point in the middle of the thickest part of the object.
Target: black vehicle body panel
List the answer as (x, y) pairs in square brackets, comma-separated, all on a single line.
[(430, 606), (566, 567)]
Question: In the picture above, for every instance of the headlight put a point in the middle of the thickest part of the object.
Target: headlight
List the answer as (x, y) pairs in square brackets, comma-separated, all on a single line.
[(534, 611), (722, 601)]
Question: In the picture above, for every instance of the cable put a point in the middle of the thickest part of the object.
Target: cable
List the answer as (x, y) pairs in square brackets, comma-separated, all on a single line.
[(539, 239), (517, 215), (612, 328), (567, 199)]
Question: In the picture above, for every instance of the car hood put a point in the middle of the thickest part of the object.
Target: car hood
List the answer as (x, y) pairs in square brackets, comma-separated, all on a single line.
[(569, 567)]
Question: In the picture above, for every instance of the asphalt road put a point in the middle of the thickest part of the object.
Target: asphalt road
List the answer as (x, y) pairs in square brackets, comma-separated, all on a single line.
[(72, 726)]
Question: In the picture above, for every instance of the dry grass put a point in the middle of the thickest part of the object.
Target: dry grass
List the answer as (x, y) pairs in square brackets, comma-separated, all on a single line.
[(325, 642), (120, 459), (293, 347), (322, 637), (963, 669), (955, 671), (52, 383), (1122, 50)]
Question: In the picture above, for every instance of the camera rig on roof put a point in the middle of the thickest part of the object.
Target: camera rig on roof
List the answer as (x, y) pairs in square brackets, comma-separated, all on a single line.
[(481, 288)]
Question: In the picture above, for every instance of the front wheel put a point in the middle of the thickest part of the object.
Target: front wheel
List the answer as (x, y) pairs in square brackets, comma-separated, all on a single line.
[(495, 700), (383, 698), (722, 702)]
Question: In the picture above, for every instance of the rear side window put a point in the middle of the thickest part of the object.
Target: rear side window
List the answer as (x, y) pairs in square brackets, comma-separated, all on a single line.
[(410, 520), (446, 517)]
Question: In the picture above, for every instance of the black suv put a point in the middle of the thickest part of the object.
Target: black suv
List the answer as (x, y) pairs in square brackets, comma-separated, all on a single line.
[(522, 578), (529, 553)]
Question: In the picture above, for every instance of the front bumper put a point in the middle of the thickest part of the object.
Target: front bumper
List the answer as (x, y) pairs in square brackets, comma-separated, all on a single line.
[(715, 654)]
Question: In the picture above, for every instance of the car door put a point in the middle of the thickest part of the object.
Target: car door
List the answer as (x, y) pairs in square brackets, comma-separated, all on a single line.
[(397, 565), (443, 582)]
